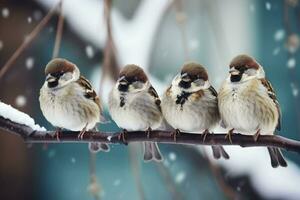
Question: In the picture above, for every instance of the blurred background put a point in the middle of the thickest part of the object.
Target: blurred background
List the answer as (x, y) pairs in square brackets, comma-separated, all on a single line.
[(101, 36)]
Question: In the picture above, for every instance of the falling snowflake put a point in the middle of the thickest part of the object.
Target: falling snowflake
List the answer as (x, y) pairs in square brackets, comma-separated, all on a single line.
[(5, 12), (29, 63), (180, 177), (295, 90), (1, 45), (21, 101), (279, 35), (172, 156), (291, 63), (29, 20), (268, 5), (166, 163), (276, 51), (73, 160), (117, 182), (89, 50)]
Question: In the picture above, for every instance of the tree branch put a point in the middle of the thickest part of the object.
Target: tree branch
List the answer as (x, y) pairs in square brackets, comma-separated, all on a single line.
[(160, 136)]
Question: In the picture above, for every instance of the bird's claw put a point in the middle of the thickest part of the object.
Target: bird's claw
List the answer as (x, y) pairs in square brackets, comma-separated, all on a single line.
[(122, 136), (175, 134), (228, 135), (204, 134)]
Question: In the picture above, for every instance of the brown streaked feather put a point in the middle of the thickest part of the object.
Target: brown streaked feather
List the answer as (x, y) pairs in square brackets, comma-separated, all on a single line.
[(153, 93), (195, 96), (272, 95), (89, 91)]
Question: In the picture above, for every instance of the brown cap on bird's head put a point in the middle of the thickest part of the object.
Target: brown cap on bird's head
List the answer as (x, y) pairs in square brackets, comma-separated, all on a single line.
[(133, 73), (194, 71), (244, 61), (59, 65)]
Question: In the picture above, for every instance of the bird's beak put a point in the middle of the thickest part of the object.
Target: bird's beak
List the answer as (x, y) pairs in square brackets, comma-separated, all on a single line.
[(50, 79), (122, 80), (234, 72), (185, 77)]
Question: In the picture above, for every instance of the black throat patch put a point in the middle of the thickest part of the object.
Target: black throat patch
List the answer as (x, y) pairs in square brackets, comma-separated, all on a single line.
[(122, 101), (181, 99)]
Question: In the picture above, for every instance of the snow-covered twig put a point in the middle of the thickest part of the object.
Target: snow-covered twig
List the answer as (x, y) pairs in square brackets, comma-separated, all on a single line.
[(37, 136)]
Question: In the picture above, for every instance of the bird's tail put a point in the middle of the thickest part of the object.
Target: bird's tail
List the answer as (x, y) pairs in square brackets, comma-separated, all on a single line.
[(277, 158), (98, 146), (152, 152), (219, 151)]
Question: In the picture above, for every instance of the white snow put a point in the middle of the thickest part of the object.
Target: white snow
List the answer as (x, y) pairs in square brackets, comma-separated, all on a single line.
[(278, 183), (291, 63), (109, 138), (295, 90), (29, 63), (279, 35), (29, 20), (8, 112), (5, 12), (268, 6), (21, 101), (172, 156), (89, 50), (180, 177)]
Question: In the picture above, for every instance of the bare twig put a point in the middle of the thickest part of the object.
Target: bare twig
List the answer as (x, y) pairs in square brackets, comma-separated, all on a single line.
[(110, 63), (181, 21), (160, 136), (59, 30), (28, 40)]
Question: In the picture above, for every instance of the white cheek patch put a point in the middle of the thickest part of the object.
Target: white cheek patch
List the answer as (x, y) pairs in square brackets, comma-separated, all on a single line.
[(67, 76), (251, 72)]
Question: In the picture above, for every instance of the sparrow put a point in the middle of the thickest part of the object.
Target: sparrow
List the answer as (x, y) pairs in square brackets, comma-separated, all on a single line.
[(135, 106), (68, 101), (190, 104), (248, 103)]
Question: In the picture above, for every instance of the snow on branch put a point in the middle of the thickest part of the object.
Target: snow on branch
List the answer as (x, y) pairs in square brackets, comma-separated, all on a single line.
[(22, 125)]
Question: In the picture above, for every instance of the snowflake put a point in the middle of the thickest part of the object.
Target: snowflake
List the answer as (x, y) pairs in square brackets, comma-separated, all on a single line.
[(180, 177), (172, 156), (29, 63), (29, 20), (279, 35), (276, 51), (291, 63), (1, 45), (21, 101), (89, 50), (268, 6), (5, 12)]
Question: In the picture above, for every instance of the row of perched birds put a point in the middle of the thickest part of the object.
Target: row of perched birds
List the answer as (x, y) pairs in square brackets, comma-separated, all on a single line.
[(246, 103)]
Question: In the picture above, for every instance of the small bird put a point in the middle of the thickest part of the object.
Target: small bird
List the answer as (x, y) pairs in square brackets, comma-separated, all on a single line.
[(68, 101), (248, 104), (190, 104), (135, 106)]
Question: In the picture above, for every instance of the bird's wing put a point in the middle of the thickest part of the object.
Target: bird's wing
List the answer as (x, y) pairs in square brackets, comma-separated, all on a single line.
[(89, 92), (154, 94), (272, 95)]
